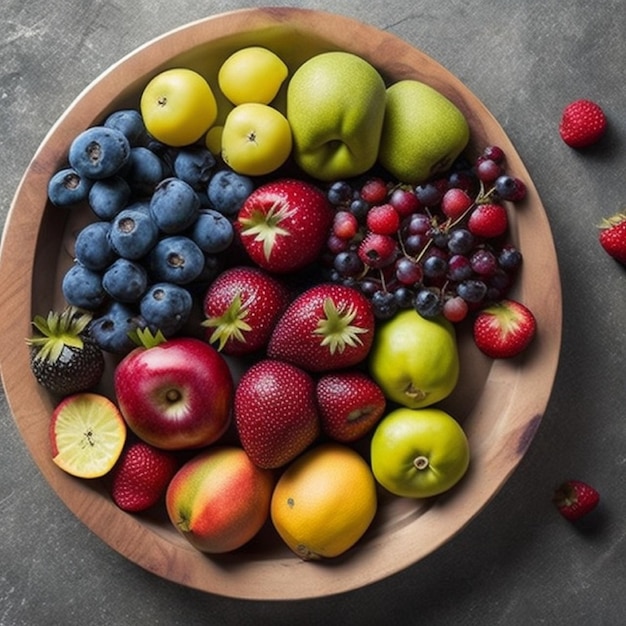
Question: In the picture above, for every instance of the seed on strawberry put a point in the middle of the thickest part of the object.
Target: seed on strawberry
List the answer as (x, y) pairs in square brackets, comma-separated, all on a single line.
[(63, 356), (141, 476), (574, 499), (505, 329), (583, 123), (613, 236), (488, 220)]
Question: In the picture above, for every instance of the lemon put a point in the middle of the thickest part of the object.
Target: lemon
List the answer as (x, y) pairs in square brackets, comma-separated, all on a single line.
[(87, 434), (252, 74), (324, 501), (415, 360)]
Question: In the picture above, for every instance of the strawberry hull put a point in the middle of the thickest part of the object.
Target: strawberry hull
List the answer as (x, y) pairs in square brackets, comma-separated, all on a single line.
[(219, 500)]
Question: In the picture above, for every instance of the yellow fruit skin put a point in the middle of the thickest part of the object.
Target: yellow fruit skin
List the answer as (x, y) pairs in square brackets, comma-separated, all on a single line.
[(219, 499), (252, 74), (415, 360), (423, 132), (324, 501), (178, 106), (419, 453)]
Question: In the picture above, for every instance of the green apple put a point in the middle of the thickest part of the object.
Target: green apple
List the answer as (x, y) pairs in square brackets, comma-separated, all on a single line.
[(423, 132), (419, 453), (256, 139), (336, 107), (415, 360)]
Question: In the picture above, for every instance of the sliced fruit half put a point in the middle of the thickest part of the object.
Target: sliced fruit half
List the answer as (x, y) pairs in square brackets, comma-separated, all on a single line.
[(87, 435)]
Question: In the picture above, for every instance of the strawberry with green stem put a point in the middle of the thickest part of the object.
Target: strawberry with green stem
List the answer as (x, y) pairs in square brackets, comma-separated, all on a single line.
[(63, 356)]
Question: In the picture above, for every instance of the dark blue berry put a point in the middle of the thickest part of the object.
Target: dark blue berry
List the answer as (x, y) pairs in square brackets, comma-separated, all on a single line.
[(228, 190), (144, 171), (125, 281), (166, 307), (339, 192), (133, 233), (67, 188), (472, 291), (174, 206), (176, 259), (428, 303), (212, 232), (93, 248), (130, 123), (109, 196), (111, 331), (384, 305), (99, 152), (83, 288), (195, 166)]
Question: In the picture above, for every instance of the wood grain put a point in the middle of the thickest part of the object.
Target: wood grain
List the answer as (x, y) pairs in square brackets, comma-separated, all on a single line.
[(499, 403)]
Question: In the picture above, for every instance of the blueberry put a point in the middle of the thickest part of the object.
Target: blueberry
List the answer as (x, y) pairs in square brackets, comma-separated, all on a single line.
[(92, 247), (472, 291), (67, 188), (428, 303), (144, 171), (111, 330), (228, 190), (125, 281), (133, 233), (176, 259), (194, 165), (83, 288), (108, 197), (166, 307), (99, 152), (130, 123), (174, 206), (212, 232)]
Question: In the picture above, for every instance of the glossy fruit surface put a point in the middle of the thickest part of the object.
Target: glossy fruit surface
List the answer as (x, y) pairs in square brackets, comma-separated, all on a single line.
[(419, 453), (415, 360), (324, 502), (256, 139), (87, 435), (178, 106), (219, 499), (252, 74)]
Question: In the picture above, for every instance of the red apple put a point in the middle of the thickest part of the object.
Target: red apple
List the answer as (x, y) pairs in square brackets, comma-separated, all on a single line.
[(176, 395)]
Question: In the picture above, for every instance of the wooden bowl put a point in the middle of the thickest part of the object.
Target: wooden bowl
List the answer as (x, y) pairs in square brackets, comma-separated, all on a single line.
[(500, 403)]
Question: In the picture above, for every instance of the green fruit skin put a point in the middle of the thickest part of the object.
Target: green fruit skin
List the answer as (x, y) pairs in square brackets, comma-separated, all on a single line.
[(405, 435), (423, 132), (415, 360), (336, 107)]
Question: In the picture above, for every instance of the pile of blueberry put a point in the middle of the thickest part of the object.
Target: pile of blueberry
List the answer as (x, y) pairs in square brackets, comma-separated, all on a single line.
[(164, 217)]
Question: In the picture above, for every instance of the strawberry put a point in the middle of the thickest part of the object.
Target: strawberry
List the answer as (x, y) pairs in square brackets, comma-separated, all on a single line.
[(284, 224), (242, 307), (275, 412), (488, 220), (583, 122), (504, 329), (613, 236), (326, 327), (63, 356), (350, 404), (141, 476), (574, 499)]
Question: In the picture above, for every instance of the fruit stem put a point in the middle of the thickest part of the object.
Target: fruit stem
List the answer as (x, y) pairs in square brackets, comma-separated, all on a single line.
[(420, 462)]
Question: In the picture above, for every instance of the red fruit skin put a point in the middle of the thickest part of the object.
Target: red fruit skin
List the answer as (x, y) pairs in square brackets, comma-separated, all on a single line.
[(583, 123), (488, 220), (574, 499), (505, 329), (613, 236), (296, 341), (383, 220), (275, 412), (141, 476), (302, 216), (350, 404), (219, 500), (263, 298), (177, 395)]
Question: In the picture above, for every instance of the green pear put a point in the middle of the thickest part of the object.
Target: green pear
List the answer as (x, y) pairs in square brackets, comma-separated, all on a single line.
[(336, 107), (423, 132)]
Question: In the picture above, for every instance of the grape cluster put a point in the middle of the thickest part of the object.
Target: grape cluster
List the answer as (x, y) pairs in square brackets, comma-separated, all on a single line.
[(441, 247)]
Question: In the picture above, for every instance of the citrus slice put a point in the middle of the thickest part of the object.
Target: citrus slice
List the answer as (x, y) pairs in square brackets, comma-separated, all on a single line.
[(87, 434), (324, 502)]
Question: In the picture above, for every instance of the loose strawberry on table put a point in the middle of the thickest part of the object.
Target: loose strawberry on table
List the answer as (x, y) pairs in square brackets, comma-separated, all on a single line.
[(574, 499), (613, 236), (582, 124)]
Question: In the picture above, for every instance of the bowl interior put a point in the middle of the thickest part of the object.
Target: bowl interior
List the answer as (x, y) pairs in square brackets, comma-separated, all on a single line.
[(500, 404)]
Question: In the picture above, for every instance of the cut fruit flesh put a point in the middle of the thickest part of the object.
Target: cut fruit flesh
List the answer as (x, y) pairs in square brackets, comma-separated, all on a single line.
[(87, 434)]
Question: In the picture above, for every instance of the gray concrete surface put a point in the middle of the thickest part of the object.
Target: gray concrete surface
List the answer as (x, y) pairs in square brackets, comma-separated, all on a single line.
[(518, 562)]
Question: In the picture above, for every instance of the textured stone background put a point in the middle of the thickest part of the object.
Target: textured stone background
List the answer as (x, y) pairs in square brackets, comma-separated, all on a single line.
[(518, 562)]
